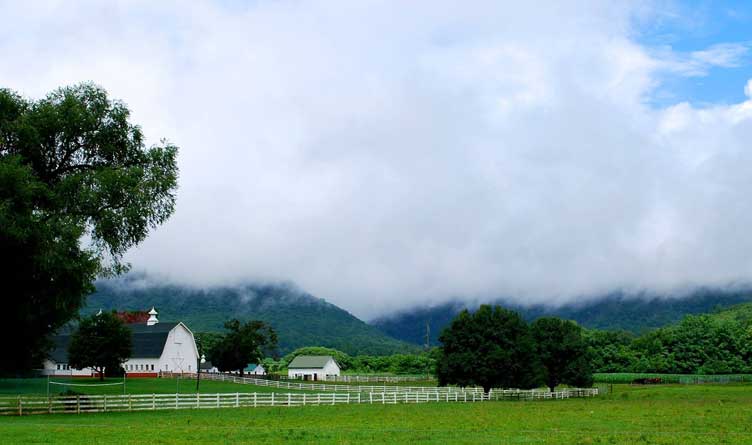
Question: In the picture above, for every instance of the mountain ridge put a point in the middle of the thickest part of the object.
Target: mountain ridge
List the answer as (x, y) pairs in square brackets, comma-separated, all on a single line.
[(299, 318), (617, 311)]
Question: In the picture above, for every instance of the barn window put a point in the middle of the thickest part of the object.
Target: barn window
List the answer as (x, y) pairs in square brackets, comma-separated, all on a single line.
[(152, 367)]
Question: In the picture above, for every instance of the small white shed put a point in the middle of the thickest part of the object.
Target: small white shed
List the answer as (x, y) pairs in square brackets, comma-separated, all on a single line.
[(313, 367)]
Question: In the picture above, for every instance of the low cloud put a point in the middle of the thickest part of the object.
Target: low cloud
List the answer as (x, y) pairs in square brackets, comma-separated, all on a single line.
[(385, 155)]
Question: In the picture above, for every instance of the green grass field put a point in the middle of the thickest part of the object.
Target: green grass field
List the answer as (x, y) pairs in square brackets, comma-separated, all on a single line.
[(661, 414), (38, 386)]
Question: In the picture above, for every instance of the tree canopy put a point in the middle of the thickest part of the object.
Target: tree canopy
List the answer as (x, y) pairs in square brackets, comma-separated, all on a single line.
[(491, 348), (244, 343), (101, 342), (562, 351), (78, 188)]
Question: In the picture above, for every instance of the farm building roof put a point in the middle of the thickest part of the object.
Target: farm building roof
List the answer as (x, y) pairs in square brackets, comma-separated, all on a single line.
[(310, 361), (148, 341)]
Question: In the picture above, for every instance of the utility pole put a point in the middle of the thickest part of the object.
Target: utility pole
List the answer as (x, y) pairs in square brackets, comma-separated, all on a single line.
[(428, 347)]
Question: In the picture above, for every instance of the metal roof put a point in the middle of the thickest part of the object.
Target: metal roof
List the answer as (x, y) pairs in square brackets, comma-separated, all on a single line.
[(310, 361), (148, 341)]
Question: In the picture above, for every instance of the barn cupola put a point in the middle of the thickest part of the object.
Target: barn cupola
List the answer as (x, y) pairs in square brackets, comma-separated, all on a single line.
[(152, 317)]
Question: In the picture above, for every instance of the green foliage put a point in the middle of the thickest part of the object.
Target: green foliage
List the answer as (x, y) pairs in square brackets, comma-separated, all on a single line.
[(491, 347), (245, 343), (72, 168), (563, 352), (101, 342), (704, 344)]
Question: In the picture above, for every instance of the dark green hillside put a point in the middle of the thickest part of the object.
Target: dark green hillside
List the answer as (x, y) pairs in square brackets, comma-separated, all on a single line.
[(299, 318), (633, 313)]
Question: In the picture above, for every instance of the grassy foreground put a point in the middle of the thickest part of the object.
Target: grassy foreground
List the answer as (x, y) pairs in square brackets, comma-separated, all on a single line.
[(700, 414)]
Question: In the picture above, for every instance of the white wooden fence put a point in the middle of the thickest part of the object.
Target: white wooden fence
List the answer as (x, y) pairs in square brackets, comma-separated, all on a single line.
[(379, 378), (152, 402), (336, 388)]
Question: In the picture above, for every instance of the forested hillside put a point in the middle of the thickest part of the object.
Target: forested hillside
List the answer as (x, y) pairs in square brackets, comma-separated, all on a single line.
[(633, 313), (299, 318)]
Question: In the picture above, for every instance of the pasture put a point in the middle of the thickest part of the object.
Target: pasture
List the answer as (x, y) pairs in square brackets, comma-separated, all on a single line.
[(38, 386), (659, 414)]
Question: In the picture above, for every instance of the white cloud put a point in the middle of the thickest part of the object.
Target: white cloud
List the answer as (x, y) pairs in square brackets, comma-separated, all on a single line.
[(699, 63), (382, 155)]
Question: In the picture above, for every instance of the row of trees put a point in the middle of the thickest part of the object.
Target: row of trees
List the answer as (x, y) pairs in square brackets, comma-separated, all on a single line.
[(701, 344), (495, 348)]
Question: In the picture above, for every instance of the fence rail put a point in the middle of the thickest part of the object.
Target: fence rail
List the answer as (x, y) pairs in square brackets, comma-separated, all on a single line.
[(336, 388), (380, 378), (153, 402)]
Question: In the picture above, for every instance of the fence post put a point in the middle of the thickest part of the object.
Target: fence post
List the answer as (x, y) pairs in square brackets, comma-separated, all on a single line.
[(198, 401), (49, 404), (20, 406), (130, 402), (254, 399), (217, 400), (237, 400), (78, 404), (176, 400), (153, 402), (289, 398), (272, 398)]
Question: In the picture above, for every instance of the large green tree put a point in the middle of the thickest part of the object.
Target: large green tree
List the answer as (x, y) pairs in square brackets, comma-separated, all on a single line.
[(244, 343), (563, 352), (491, 348), (78, 188), (101, 342)]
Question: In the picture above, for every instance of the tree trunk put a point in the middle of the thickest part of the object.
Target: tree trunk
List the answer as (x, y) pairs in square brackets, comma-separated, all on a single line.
[(241, 372), (101, 374)]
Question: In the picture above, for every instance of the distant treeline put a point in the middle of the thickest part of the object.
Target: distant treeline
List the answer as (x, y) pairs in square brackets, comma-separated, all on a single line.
[(412, 364), (699, 344)]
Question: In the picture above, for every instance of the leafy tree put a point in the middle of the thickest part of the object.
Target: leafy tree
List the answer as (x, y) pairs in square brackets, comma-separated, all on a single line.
[(563, 352), (491, 348), (101, 342), (78, 188), (245, 343)]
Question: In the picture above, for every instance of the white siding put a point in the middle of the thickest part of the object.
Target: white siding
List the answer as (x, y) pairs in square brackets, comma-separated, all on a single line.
[(180, 353), (62, 370), (142, 365), (330, 369)]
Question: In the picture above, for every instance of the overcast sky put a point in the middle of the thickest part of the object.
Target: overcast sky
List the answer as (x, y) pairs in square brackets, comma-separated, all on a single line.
[(385, 154)]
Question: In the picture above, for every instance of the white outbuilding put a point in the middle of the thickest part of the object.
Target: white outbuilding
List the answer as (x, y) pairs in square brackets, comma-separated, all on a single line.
[(313, 367), (157, 348)]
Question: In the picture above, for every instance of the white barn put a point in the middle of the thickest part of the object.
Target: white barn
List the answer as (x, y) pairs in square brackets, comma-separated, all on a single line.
[(313, 367), (157, 347)]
